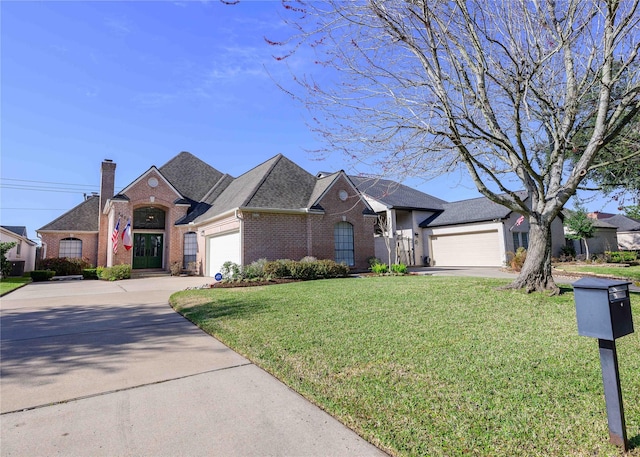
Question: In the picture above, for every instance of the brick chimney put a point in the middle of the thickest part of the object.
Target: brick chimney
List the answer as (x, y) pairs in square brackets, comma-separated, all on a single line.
[(107, 188), (107, 181)]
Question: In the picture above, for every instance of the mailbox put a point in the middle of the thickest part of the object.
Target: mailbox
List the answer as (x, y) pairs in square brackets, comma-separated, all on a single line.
[(603, 308)]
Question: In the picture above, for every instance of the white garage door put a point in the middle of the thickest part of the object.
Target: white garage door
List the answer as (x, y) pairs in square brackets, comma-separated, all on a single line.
[(221, 249), (478, 249)]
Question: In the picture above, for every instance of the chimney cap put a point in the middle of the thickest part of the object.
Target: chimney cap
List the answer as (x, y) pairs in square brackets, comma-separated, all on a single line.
[(108, 160)]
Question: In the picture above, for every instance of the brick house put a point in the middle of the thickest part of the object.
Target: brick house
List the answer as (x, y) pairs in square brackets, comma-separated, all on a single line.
[(188, 212)]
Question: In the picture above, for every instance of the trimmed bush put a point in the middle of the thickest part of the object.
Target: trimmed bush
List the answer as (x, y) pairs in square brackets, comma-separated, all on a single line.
[(42, 275), (304, 270), (116, 272), (278, 268), (621, 256), (90, 273), (331, 269), (64, 266)]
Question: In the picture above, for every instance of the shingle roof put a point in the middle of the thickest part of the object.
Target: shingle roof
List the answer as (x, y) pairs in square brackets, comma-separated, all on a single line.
[(277, 183), (465, 211), (192, 177), (322, 184), (83, 217), (396, 195), (624, 223), (20, 230)]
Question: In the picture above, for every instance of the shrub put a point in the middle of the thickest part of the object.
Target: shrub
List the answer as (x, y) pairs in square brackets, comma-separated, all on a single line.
[(373, 261), (567, 253), (5, 264), (90, 273), (230, 271), (308, 258), (621, 256), (42, 275), (399, 268), (379, 268), (304, 270), (331, 269), (64, 266), (517, 260), (278, 268), (116, 272), (255, 270), (175, 268)]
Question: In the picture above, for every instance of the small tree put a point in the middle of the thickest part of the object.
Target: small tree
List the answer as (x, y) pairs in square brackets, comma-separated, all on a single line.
[(580, 226), (384, 226), (5, 265)]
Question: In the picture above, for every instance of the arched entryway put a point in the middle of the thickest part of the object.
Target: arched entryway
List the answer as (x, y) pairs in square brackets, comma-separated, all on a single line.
[(148, 237)]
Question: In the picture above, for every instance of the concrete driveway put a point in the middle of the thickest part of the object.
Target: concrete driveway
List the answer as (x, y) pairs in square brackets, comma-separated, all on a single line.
[(108, 368)]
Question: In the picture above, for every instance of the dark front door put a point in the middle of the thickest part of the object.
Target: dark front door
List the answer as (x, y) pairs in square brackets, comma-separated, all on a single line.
[(147, 250)]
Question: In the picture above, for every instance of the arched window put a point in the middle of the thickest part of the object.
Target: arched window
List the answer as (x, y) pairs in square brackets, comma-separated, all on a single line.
[(343, 236), (148, 218), (70, 247), (190, 248)]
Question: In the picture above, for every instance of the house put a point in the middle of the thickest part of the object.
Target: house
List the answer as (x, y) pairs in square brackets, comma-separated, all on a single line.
[(604, 239), (401, 209), (433, 232), (188, 212), (628, 233), (23, 254)]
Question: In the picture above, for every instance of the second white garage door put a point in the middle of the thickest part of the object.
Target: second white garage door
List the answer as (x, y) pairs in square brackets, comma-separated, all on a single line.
[(221, 249), (478, 249)]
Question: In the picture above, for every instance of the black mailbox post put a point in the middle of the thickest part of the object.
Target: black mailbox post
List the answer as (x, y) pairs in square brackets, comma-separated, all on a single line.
[(603, 311)]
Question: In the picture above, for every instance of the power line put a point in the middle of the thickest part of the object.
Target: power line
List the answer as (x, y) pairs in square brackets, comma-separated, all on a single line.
[(50, 182), (47, 189), (37, 209)]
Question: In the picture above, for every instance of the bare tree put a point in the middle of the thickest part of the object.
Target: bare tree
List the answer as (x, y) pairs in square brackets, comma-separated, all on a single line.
[(496, 87), (384, 226)]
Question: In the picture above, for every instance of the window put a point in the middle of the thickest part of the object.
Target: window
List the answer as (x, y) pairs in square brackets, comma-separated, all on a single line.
[(148, 218), (19, 248), (70, 247), (190, 248), (520, 239), (343, 236)]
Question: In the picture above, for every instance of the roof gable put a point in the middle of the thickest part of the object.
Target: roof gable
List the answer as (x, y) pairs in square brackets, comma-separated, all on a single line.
[(467, 211), (83, 218), (395, 195), (20, 230), (624, 223), (277, 183), (151, 172), (190, 176)]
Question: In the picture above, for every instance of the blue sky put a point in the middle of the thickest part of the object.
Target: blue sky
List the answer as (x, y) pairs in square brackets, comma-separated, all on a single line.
[(138, 82)]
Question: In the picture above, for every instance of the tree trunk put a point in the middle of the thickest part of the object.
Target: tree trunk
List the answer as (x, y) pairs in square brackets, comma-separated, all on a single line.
[(536, 271)]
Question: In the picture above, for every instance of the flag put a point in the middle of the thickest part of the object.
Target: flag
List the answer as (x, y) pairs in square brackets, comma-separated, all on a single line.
[(114, 237), (518, 222), (126, 236)]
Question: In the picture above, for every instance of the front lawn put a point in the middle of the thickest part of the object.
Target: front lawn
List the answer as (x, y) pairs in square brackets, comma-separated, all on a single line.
[(11, 283), (630, 273), (423, 365)]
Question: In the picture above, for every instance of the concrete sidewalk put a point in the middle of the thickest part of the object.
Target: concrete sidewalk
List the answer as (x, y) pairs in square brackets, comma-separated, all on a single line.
[(108, 368)]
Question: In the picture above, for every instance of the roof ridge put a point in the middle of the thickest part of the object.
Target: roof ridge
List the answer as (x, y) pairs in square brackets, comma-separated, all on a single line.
[(253, 192)]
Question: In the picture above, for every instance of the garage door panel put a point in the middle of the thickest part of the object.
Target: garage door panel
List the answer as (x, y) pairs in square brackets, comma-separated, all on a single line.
[(478, 249), (221, 249)]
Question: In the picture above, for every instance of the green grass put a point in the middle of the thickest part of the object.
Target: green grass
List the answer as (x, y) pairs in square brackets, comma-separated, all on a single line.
[(9, 284), (631, 273), (431, 365)]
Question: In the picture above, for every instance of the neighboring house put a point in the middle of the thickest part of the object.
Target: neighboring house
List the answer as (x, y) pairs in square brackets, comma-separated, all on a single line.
[(23, 254), (188, 212), (479, 232), (628, 234), (604, 239)]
